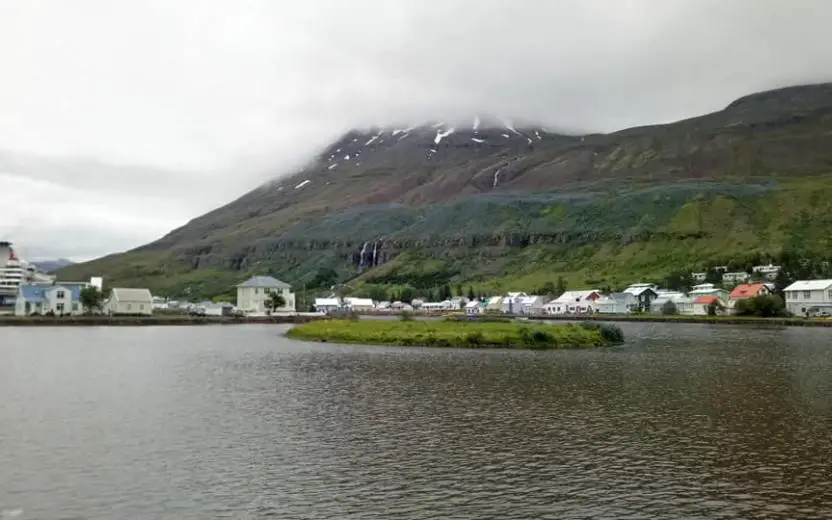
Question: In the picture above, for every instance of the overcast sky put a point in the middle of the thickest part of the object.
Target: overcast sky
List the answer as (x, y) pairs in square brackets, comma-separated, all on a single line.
[(198, 88)]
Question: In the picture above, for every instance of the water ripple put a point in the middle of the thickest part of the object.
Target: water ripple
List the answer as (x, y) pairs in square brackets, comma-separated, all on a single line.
[(237, 422)]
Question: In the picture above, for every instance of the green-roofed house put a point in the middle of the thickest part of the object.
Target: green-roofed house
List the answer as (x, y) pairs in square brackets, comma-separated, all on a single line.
[(253, 293)]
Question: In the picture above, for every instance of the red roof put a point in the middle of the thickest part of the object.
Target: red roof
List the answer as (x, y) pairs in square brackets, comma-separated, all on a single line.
[(747, 290), (706, 299)]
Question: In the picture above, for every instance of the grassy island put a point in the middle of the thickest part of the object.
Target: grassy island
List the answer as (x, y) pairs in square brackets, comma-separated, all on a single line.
[(457, 333)]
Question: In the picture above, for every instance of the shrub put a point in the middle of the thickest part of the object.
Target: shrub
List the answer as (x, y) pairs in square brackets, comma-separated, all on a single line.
[(609, 332), (764, 306), (406, 316), (475, 338), (669, 308)]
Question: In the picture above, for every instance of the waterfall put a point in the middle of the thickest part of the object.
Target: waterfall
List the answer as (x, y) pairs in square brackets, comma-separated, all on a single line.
[(361, 256), (375, 250), (496, 178)]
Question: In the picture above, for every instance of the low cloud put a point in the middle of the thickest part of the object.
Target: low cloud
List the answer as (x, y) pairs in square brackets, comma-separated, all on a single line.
[(194, 102)]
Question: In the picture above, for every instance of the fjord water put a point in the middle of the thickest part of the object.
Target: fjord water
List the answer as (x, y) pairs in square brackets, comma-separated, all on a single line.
[(684, 421)]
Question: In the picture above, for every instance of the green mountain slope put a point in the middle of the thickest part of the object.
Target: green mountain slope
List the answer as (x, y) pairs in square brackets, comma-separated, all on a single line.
[(500, 207)]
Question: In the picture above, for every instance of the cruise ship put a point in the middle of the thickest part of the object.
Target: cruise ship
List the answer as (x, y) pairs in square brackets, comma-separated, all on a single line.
[(14, 272)]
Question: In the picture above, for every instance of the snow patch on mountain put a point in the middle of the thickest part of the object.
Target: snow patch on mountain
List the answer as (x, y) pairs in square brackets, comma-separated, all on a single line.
[(441, 135)]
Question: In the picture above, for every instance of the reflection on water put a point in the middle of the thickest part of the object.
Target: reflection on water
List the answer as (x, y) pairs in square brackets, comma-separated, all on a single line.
[(685, 421)]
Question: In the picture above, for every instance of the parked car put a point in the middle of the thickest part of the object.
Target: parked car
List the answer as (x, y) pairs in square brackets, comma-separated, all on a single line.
[(196, 311)]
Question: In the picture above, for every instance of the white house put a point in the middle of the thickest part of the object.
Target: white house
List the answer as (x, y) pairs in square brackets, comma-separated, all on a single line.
[(327, 304), (254, 292), (511, 302), (129, 301), (574, 302), (474, 308), (735, 278), (359, 304), (531, 304), (657, 306), (809, 297), (494, 304), (616, 303), (699, 277), (769, 272)]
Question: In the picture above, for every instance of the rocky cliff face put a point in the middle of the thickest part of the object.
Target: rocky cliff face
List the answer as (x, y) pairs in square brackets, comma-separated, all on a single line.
[(487, 185)]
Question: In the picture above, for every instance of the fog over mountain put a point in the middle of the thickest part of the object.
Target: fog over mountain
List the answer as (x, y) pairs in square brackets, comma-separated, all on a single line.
[(122, 120)]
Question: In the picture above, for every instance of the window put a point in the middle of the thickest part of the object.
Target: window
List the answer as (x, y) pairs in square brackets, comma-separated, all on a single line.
[(60, 295), (829, 294), (75, 307), (129, 306), (141, 307), (807, 295), (59, 307)]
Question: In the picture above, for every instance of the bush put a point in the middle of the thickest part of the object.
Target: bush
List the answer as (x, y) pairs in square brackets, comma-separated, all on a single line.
[(611, 333), (475, 338), (669, 309), (764, 306), (406, 316)]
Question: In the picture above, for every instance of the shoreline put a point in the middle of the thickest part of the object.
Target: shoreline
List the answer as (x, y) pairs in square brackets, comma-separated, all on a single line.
[(139, 321), (706, 320)]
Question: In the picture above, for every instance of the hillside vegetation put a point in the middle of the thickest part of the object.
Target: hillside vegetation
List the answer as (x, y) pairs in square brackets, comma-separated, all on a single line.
[(517, 208)]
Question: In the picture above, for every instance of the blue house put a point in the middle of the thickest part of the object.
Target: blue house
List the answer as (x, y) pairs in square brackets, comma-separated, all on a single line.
[(42, 298)]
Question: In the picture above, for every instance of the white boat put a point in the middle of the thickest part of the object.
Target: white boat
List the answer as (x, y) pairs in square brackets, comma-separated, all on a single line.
[(14, 272)]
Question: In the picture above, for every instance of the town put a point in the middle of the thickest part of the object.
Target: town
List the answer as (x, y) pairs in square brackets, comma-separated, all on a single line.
[(26, 291)]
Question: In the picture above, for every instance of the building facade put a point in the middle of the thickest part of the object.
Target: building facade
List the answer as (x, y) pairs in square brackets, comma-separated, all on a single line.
[(126, 301), (254, 292), (809, 297)]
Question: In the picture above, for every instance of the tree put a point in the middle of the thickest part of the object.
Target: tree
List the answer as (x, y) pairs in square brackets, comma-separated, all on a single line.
[(91, 298), (763, 306), (560, 287), (274, 302), (669, 308), (713, 276), (378, 293), (445, 292), (407, 295), (679, 281), (459, 291), (715, 307), (471, 295), (548, 289)]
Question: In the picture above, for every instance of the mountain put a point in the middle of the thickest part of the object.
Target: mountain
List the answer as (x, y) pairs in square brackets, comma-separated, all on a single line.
[(501, 205), (53, 265)]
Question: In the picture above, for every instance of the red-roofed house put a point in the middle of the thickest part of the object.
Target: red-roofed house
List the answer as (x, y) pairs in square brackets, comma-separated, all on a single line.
[(748, 290), (701, 304)]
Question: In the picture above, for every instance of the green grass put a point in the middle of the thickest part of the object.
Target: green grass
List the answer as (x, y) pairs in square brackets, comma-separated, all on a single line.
[(442, 333)]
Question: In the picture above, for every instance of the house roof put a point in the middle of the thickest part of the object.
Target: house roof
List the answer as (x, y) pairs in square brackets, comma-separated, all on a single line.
[(34, 292), (265, 281), (37, 292), (706, 299), (326, 302), (359, 301), (747, 290), (576, 296), (809, 285), (639, 288), (122, 294)]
